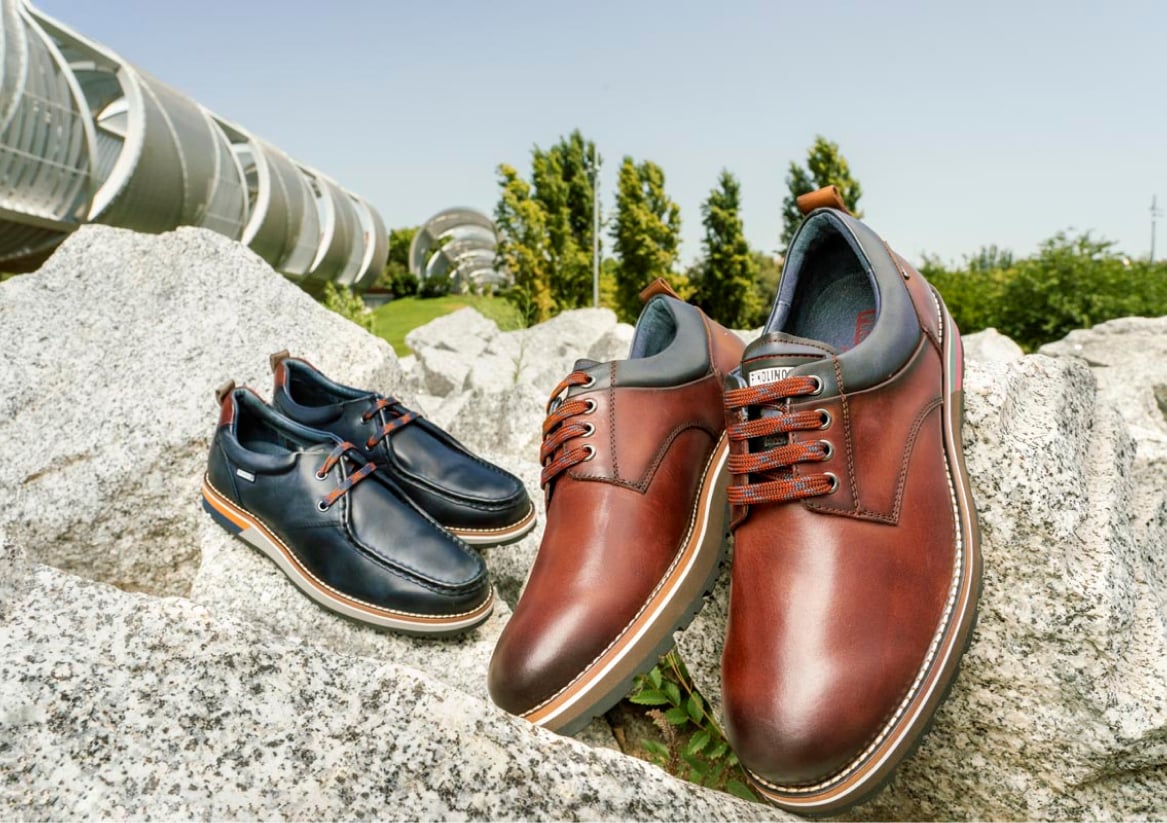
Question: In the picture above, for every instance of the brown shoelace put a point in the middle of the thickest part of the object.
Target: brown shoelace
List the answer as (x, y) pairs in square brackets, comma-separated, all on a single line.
[(781, 458), (559, 427), (395, 423), (347, 483)]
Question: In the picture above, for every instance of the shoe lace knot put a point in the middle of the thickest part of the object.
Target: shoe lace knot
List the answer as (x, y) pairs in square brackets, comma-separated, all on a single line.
[(773, 463), (399, 417), (563, 424), (346, 483)]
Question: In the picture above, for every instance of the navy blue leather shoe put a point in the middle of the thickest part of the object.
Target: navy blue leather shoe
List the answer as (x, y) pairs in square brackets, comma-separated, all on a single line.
[(474, 499), (344, 533)]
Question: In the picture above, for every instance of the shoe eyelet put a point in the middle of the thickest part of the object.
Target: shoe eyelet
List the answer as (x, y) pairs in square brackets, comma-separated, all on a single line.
[(321, 506), (590, 382), (828, 449), (591, 450), (818, 385), (591, 405), (825, 417), (591, 429), (834, 482), (321, 475)]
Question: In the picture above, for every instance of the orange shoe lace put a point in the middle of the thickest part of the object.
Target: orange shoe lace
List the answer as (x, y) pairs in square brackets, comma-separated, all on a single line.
[(345, 484), (781, 458), (393, 425), (559, 427)]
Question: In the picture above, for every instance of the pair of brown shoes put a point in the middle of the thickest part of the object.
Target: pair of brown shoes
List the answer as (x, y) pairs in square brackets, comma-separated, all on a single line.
[(835, 439)]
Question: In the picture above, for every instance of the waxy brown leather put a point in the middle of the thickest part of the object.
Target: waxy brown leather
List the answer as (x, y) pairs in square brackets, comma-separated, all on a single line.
[(614, 525), (836, 598)]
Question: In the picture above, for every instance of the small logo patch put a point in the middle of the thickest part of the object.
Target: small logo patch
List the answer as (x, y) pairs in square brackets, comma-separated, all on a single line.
[(248, 476), (760, 377), (864, 322)]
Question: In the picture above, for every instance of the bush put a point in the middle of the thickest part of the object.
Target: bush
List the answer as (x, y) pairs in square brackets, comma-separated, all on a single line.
[(341, 300), (1072, 282), (435, 286)]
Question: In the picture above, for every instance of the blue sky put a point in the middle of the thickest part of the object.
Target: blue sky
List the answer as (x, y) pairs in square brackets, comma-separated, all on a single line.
[(966, 124)]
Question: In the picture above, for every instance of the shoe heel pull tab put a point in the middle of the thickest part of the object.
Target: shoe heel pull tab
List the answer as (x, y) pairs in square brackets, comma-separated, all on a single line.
[(226, 404), (277, 358), (827, 197), (658, 286), (223, 392)]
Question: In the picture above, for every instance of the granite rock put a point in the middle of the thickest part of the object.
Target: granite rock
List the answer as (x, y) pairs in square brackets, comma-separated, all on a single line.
[(1060, 709), (120, 705), (112, 352), (613, 344), (990, 345)]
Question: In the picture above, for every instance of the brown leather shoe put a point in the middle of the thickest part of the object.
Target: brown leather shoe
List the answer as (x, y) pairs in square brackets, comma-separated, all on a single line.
[(634, 471), (856, 555)]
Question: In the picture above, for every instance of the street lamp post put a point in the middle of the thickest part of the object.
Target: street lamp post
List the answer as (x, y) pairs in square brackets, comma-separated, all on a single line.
[(595, 227)]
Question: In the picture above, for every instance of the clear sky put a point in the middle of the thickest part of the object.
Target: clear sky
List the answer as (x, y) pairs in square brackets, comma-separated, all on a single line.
[(966, 124)]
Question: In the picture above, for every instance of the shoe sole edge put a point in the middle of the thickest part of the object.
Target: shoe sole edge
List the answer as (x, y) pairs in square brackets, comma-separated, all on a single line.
[(252, 531)]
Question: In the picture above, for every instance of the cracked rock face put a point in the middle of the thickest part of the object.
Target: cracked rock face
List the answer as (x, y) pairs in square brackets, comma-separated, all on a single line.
[(201, 684)]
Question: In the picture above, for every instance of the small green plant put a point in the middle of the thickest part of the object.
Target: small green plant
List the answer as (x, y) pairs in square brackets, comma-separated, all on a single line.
[(694, 746), (341, 300)]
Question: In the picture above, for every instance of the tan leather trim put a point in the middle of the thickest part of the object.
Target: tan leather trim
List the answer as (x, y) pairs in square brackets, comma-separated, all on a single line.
[(827, 197)]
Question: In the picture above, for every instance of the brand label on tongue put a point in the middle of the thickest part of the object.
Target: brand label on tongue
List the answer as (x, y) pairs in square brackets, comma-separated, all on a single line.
[(771, 374)]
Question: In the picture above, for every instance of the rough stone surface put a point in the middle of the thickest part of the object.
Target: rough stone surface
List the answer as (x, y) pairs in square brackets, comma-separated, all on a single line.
[(990, 345), (1129, 359), (1060, 710), (614, 344), (111, 354), (116, 705)]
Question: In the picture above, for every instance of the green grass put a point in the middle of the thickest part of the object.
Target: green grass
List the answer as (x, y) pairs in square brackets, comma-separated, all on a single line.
[(398, 318)]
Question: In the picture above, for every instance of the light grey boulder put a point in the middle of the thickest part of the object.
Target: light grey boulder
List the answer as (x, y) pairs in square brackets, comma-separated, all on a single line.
[(548, 351), (989, 345), (111, 354), (464, 331), (118, 705), (1129, 359), (1060, 709), (507, 421), (234, 579), (441, 372), (614, 344)]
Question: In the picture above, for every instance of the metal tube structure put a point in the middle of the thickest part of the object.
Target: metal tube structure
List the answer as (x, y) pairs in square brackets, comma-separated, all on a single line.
[(87, 137), (458, 243)]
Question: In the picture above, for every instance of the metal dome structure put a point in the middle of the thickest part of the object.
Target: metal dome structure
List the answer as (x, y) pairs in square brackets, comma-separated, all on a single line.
[(458, 243), (87, 137)]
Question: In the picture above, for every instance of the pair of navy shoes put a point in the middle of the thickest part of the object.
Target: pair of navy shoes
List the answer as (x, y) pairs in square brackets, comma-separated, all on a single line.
[(366, 506)]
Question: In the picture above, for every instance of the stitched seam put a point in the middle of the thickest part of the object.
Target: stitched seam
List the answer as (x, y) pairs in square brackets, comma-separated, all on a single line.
[(909, 447), (530, 515), (660, 584), (612, 419), (646, 479), (847, 433), (307, 573)]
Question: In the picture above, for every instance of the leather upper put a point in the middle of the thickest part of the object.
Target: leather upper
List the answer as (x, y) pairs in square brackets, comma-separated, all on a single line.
[(372, 544), (616, 521), (456, 487), (836, 598)]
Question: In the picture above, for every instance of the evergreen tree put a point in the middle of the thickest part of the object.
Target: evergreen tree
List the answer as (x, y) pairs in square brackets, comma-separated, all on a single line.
[(825, 166), (561, 178), (523, 247), (645, 234), (727, 291)]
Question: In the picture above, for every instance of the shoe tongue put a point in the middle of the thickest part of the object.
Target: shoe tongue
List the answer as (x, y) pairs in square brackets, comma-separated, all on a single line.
[(776, 355)]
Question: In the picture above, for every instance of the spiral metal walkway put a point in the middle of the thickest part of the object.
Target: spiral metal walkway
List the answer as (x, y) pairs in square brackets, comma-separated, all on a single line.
[(87, 137)]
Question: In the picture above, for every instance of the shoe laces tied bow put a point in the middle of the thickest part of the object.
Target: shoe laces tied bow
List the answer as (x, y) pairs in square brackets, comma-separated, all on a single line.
[(562, 424), (346, 483), (400, 417), (776, 464)]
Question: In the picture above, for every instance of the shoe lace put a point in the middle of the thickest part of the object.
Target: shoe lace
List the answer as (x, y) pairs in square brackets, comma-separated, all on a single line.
[(334, 456), (559, 427), (779, 460), (402, 417)]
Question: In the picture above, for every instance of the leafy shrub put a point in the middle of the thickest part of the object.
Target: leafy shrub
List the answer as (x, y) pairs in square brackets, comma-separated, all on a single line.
[(434, 286), (341, 300), (1072, 282)]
